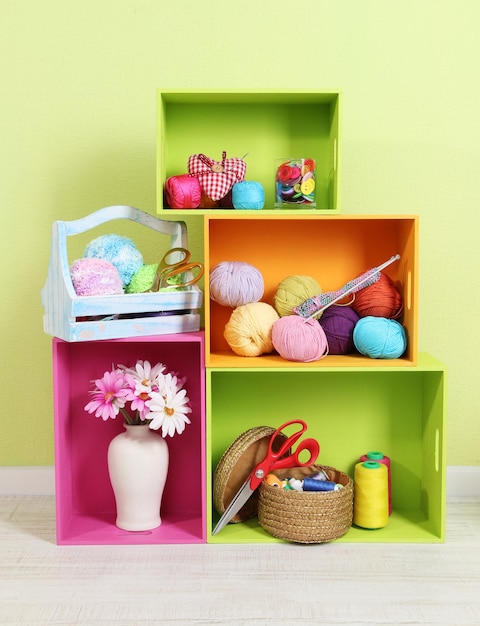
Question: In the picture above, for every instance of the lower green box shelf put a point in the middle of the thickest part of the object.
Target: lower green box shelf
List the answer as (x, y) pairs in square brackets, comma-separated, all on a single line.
[(400, 411)]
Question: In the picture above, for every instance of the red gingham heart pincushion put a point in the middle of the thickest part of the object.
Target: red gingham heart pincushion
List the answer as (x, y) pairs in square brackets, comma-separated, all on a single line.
[(216, 178)]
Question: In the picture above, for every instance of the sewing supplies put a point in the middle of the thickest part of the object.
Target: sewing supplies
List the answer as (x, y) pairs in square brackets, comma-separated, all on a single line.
[(316, 305), (293, 291), (370, 504), (233, 283), (120, 251), (248, 332), (272, 479), (172, 274), (95, 277), (379, 338), (216, 178), (296, 339), (283, 457), (306, 516), (295, 182), (183, 192), (309, 483), (381, 299), (296, 484), (320, 474), (375, 455), (338, 323)]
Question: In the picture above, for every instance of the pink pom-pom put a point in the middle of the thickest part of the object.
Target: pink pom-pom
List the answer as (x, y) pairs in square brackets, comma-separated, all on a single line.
[(297, 339), (95, 277)]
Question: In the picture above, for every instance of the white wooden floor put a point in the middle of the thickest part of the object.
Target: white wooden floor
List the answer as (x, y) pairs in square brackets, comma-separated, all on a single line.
[(361, 584)]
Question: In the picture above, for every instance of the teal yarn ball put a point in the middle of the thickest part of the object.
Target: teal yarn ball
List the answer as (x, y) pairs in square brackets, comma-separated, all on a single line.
[(248, 194), (379, 338)]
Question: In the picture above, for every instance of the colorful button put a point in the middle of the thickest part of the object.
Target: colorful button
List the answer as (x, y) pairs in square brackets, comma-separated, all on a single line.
[(284, 173), (307, 186)]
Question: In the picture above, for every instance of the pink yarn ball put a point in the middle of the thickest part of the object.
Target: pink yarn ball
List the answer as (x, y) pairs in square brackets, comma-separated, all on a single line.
[(95, 277), (297, 339)]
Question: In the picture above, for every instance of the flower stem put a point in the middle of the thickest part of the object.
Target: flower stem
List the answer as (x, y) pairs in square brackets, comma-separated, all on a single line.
[(128, 419)]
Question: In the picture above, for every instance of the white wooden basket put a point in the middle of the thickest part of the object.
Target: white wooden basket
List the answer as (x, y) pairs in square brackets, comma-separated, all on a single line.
[(65, 311)]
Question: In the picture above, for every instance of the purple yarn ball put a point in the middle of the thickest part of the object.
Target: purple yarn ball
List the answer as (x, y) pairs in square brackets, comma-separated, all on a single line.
[(338, 322)]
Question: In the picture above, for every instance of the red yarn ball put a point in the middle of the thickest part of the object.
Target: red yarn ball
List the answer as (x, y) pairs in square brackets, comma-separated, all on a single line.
[(379, 300)]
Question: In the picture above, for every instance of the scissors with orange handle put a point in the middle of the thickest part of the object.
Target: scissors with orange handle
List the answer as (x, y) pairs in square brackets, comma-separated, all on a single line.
[(273, 460), (167, 271)]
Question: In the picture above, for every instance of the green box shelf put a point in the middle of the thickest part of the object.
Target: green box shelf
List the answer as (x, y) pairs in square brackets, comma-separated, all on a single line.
[(400, 411), (267, 125)]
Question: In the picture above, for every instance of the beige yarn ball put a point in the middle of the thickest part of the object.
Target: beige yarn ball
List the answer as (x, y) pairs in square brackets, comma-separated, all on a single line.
[(292, 291), (248, 332)]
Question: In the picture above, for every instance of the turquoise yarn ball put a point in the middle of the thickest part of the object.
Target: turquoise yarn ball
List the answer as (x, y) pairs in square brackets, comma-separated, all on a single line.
[(248, 194), (379, 338)]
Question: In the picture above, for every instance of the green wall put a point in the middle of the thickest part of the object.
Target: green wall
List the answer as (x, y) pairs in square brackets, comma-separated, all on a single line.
[(77, 114)]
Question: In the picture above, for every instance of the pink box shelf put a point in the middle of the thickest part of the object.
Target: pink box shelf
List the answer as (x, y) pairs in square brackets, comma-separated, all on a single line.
[(85, 505)]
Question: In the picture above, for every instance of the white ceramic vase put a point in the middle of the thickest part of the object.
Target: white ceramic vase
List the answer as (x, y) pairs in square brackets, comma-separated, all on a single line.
[(138, 467)]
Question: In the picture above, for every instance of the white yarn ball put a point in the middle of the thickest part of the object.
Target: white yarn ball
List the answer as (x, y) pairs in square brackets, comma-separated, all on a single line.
[(234, 283)]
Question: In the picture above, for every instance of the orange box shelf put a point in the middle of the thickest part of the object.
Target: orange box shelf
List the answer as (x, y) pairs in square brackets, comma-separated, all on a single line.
[(333, 249)]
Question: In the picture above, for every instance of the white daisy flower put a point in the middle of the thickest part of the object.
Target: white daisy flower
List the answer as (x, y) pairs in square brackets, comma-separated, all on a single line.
[(169, 409)]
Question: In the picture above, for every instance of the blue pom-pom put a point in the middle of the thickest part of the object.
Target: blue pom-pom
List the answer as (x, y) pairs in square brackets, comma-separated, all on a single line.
[(248, 195), (120, 251)]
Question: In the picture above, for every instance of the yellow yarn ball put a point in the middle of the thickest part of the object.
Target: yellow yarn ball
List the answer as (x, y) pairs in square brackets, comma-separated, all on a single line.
[(292, 291), (248, 332)]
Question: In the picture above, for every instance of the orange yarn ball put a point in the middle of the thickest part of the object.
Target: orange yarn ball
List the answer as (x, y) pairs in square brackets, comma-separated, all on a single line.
[(379, 300)]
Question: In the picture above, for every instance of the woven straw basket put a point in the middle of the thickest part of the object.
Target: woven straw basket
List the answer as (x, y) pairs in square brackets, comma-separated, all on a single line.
[(306, 517)]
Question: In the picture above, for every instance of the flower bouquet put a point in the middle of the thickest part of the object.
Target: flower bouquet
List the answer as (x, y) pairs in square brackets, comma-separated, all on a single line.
[(156, 397), (149, 399)]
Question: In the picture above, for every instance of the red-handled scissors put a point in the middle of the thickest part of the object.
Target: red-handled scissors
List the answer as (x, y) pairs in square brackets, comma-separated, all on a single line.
[(274, 459)]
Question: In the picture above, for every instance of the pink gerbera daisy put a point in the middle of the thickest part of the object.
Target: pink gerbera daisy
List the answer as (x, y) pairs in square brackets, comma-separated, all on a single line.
[(109, 396), (141, 381)]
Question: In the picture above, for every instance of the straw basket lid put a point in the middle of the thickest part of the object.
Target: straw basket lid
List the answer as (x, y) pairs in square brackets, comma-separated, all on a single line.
[(235, 465)]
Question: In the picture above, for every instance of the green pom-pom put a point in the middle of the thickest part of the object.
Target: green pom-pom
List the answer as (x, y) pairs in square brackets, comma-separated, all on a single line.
[(142, 280)]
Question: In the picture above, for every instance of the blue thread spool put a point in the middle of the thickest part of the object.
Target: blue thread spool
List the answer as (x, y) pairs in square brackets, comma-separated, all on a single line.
[(313, 484), (248, 194)]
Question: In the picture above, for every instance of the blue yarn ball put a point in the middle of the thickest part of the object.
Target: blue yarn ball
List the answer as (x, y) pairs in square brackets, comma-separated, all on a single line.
[(379, 338), (248, 194), (120, 251)]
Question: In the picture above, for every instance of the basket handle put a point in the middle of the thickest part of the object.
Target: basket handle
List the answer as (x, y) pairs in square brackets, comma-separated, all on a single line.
[(109, 213)]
